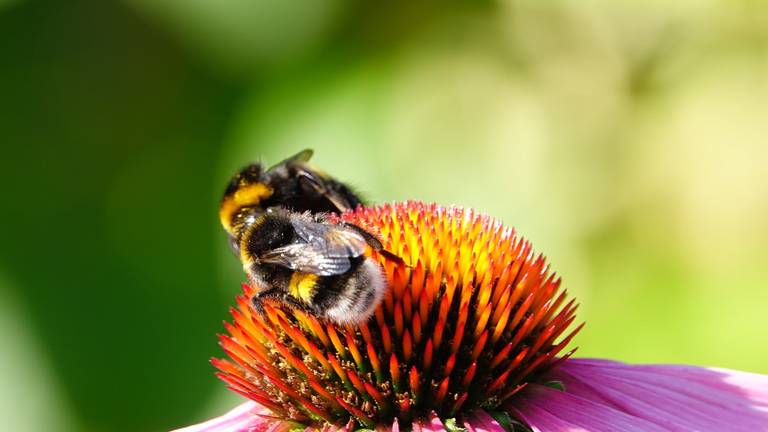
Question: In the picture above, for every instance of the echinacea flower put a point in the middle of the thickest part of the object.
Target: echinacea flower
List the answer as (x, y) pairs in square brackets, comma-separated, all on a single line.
[(471, 335)]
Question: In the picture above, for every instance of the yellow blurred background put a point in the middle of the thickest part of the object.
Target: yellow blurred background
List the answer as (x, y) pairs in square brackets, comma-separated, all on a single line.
[(627, 140)]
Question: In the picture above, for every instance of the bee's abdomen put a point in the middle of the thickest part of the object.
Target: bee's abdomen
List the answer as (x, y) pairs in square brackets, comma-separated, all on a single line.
[(353, 296), (237, 202)]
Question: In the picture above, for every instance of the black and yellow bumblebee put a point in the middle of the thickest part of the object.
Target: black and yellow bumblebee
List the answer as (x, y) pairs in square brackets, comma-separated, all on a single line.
[(292, 184), (278, 222), (311, 264)]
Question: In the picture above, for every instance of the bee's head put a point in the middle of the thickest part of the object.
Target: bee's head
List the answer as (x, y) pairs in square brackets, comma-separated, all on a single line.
[(270, 230)]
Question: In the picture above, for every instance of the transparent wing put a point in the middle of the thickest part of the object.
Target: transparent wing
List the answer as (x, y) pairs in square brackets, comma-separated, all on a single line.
[(312, 181), (325, 250), (306, 259), (332, 240), (300, 157)]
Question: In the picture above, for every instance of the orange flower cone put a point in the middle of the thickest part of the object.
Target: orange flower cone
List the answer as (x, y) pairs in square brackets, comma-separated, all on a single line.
[(472, 329)]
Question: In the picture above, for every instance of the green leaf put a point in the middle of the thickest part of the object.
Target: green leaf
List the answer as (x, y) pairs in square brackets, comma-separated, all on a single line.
[(557, 385), (451, 426), (509, 424)]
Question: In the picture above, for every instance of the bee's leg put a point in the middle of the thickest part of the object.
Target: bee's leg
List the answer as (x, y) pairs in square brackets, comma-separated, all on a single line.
[(320, 217), (373, 242), (258, 305), (299, 305), (369, 238), (281, 297)]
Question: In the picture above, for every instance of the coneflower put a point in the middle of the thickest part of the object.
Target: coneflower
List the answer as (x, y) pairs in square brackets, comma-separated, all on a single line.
[(471, 335)]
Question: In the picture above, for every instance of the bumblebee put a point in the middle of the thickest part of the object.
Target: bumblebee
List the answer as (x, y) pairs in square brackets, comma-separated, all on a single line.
[(314, 265), (291, 184), (278, 223)]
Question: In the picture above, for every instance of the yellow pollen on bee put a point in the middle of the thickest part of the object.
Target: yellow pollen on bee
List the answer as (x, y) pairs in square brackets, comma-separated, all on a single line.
[(250, 195), (302, 285)]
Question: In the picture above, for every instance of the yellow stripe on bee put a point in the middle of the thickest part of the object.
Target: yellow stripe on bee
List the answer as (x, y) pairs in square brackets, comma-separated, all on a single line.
[(245, 254), (250, 195), (302, 286)]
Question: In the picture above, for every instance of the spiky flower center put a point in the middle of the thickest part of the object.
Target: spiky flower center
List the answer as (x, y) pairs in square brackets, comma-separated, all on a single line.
[(470, 317)]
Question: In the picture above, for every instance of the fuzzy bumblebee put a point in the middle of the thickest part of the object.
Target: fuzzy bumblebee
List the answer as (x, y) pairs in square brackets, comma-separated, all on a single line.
[(279, 223)]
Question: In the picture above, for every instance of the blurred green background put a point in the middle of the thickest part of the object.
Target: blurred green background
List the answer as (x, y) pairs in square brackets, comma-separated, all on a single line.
[(627, 140)]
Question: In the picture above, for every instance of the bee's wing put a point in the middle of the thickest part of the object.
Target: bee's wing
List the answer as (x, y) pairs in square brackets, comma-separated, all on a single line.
[(313, 181), (327, 251), (334, 240), (300, 157), (307, 259)]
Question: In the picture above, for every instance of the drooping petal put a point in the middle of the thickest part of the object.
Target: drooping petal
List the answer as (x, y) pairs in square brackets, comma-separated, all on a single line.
[(548, 410), (246, 417), (603, 395)]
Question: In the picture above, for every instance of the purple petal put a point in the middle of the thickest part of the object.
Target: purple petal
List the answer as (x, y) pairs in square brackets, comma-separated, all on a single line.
[(246, 417), (433, 424), (603, 395), (395, 426), (481, 421), (549, 410)]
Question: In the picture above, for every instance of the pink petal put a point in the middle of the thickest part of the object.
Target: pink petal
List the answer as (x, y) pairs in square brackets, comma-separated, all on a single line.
[(246, 417), (395, 426), (433, 424), (603, 395), (481, 421), (549, 410)]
